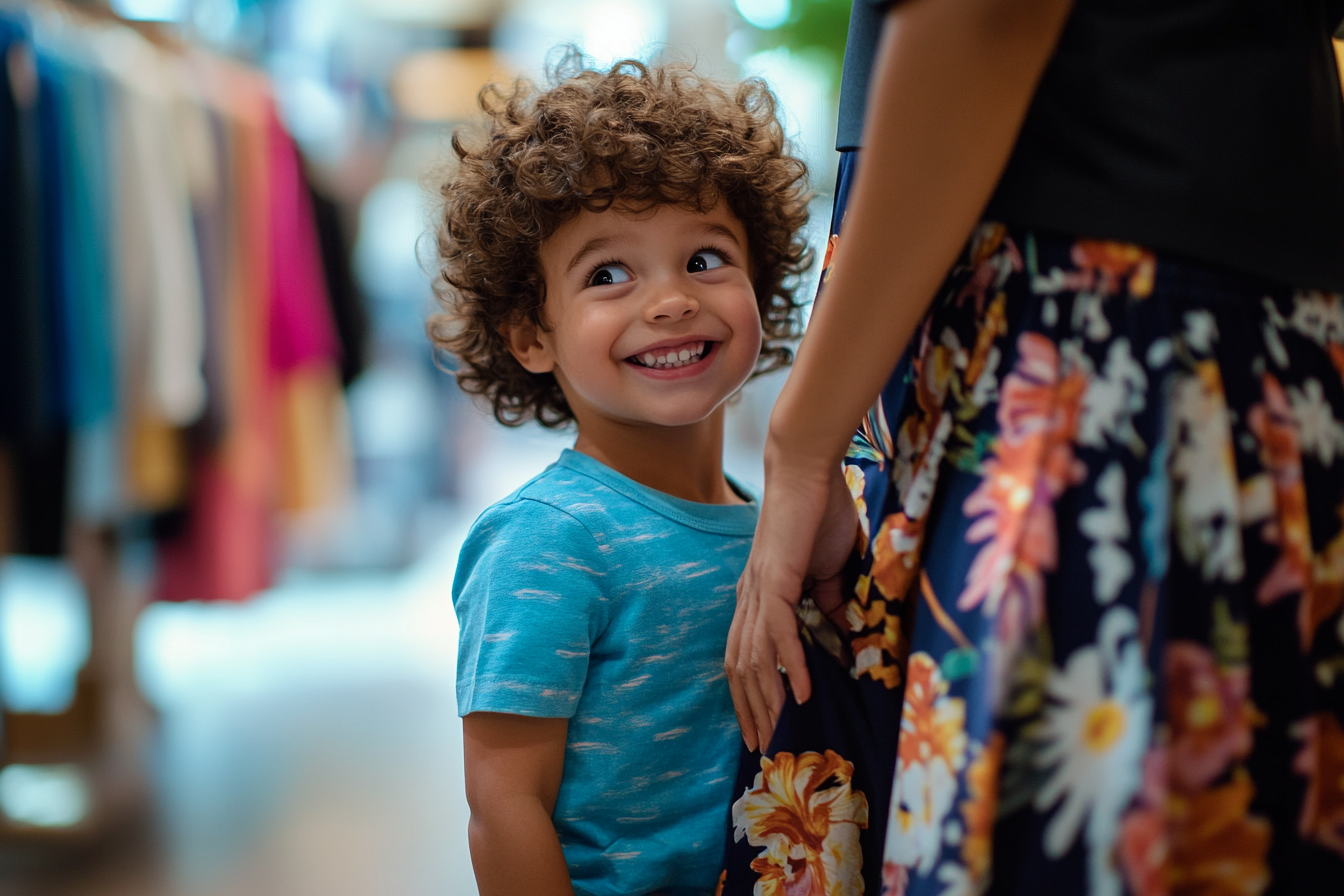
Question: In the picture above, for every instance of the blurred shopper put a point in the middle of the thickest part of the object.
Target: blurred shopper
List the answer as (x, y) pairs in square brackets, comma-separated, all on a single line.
[(619, 252), (1085, 632)]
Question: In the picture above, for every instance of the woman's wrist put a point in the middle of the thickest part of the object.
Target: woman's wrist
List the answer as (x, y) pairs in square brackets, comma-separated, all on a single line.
[(798, 440)]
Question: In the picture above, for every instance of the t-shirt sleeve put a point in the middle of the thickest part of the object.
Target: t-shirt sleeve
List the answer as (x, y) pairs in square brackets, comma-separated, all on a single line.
[(529, 601)]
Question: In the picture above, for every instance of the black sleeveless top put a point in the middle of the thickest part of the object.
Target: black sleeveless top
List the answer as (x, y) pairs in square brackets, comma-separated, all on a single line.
[(1209, 128)]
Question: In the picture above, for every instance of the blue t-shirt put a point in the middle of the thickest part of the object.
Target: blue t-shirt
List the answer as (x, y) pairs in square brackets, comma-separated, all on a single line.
[(585, 595)]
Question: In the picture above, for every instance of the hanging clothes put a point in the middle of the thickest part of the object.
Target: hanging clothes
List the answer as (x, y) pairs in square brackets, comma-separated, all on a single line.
[(348, 309), (283, 446), (167, 344), (23, 381)]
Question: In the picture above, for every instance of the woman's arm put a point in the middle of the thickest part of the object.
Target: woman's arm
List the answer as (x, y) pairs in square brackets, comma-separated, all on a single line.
[(951, 85), (513, 777)]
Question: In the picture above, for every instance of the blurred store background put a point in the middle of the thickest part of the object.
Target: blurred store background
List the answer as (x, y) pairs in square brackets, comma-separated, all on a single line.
[(232, 478)]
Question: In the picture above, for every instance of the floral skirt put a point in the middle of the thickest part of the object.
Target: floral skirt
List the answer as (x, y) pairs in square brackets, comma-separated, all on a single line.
[(1094, 641)]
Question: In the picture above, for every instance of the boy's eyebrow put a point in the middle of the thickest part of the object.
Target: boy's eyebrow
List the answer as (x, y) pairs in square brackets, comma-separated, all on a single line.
[(723, 231), (587, 248)]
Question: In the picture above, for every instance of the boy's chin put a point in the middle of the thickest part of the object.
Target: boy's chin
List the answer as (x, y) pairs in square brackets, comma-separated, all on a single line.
[(677, 419), (670, 417)]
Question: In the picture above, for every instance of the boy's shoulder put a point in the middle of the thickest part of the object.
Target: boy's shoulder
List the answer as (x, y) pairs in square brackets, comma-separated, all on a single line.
[(564, 488), (561, 504)]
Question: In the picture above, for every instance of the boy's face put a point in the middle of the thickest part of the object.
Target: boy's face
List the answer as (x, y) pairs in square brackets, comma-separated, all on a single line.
[(652, 317)]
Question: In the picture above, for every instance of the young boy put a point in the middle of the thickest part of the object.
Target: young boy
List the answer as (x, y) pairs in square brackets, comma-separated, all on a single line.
[(618, 251)]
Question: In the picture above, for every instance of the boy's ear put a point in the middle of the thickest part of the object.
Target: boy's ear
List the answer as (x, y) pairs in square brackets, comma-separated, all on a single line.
[(529, 345)]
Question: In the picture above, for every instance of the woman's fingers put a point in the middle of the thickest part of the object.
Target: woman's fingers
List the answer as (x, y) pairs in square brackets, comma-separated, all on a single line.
[(760, 721), (789, 648), (731, 660), (772, 642)]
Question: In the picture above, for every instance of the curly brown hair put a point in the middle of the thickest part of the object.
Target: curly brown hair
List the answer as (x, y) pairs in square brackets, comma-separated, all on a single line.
[(638, 135)]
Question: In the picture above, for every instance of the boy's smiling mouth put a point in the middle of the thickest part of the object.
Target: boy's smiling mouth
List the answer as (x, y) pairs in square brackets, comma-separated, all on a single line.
[(672, 357)]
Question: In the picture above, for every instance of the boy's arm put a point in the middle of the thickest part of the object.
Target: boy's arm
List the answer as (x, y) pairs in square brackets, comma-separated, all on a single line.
[(513, 776)]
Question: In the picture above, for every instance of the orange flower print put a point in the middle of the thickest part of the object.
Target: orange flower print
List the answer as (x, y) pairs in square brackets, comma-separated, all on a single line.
[(993, 256), (831, 245), (1284, 512), (983, 357), (1273, 424), (1143, 845), (921, 440), (1336, 352), (931, 754), (1116, 267), (879, 643), (1013, 506), (878, 655), (979, 810), (896, 555), (854, 481), (803, 810), (1321, 760), (1210, 713), (1217, 847), (895, 879), (1326, 594), (1142, 851)]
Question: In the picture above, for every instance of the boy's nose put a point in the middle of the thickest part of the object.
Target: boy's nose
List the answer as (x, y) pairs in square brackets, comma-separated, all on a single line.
[(672, 305)]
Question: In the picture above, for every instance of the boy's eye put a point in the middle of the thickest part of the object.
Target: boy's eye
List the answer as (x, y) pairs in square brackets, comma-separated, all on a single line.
[(608, 274), (704, 260)]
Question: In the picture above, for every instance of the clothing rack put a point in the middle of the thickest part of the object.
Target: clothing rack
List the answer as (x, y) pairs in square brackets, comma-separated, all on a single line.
[(169, 366)]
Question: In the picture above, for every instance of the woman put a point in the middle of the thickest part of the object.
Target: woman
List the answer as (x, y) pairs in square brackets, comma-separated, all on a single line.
[(1083, 633)]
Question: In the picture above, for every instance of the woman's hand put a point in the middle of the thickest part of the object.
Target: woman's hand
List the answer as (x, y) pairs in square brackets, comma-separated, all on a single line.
[(806, 530)]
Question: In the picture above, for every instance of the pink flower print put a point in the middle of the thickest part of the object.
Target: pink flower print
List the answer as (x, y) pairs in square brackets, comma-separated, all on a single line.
[(1210, 713), (1013, 506)]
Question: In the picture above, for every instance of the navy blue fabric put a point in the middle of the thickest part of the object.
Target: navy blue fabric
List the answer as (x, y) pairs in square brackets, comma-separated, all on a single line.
[(1094, 641)]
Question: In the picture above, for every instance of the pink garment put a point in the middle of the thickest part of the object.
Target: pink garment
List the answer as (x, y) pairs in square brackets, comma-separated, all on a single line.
[(228, 548), (279, 338), (228, 551), (302, 330)]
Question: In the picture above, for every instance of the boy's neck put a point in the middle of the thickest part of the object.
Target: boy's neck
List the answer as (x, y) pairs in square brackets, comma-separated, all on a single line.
[(684, 461)]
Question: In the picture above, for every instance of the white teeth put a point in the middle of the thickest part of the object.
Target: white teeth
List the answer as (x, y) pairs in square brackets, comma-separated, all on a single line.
[(672, 360)]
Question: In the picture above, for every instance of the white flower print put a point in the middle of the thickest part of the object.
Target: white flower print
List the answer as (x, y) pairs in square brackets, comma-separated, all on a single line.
[(1089, 316), (1318, 316), (1274, 342), (1114, 396), (1159, 353), (1317, 429), (854, 479), (957, 881), (919, 492), (1201, 331), (931, 754), (1096, 728), (1050, 309), (986, 387), (1203, 476), (1108, 527)]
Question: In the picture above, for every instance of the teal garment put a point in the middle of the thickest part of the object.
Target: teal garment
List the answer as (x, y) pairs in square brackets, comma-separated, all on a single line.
[(587, 596)]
